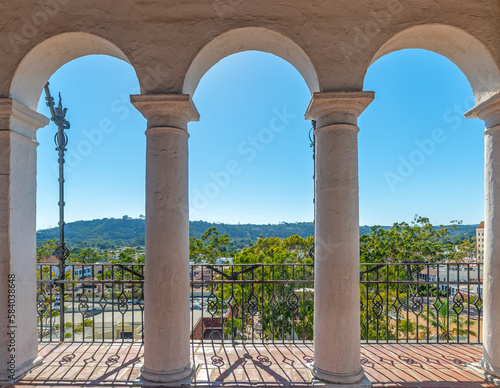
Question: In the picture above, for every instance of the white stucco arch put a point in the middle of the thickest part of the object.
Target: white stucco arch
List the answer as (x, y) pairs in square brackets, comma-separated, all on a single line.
[(463, 49), (43, 60), (246, 39)]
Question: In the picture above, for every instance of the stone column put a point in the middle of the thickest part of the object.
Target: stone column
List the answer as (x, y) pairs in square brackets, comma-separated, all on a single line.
[(167, 332), (489, 111), (336, 287), (18, 317)]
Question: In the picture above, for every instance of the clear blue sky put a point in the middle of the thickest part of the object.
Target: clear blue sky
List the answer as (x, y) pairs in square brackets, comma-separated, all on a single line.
[(417, 154)]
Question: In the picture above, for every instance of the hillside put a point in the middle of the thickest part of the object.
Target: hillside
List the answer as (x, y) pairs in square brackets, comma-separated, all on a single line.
[(109, 232)]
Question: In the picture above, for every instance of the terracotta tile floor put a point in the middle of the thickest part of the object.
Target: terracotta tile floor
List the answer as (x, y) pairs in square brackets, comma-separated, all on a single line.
[(118, 365)]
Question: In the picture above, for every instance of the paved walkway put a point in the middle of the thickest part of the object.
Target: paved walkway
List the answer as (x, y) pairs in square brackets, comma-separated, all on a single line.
[(118, 365)]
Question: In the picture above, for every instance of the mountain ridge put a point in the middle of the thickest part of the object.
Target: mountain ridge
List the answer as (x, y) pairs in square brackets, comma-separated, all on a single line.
[(128, 231)]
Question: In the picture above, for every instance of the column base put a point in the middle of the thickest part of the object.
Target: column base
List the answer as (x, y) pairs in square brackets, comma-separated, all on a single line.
[(182, 378), (320, 378), (486, 371), (21, 371)]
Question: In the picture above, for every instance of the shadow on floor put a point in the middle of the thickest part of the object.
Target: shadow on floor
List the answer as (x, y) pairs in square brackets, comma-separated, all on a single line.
[(256, 365)]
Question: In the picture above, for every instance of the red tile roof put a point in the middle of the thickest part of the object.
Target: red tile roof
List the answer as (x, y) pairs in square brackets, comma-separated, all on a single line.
[(481, 225), (430, 271), (207, 323), (49, 260)]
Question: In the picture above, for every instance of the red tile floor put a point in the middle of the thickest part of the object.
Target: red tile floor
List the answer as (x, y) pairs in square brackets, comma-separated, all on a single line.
[(118, 365)]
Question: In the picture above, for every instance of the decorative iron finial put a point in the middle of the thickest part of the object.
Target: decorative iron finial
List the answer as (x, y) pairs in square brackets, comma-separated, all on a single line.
[(60, 115)]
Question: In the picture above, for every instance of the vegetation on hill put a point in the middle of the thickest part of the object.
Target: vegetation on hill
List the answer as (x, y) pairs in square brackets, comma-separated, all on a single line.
[(109, 233), (418, 241)]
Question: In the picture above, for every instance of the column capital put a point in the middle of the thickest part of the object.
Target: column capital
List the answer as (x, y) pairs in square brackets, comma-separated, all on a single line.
[(488, 111), (339, 107), (166, 110), (20, 119)]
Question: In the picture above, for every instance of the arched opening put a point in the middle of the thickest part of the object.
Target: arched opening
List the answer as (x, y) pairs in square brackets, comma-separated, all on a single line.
[(95, 79), (43, 60), (251, 164), (415, 144), (98, 103), (468, 69), (464, 50), (246, 39), (104, 161), (419, 155), (250, 116)]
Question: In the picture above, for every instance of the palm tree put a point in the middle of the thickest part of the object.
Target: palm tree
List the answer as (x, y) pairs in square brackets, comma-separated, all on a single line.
[(446, 320)]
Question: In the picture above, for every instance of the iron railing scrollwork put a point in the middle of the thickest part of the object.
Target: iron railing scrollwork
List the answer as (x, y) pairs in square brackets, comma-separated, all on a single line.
[(103, 302), (421, 302), (253, 303)]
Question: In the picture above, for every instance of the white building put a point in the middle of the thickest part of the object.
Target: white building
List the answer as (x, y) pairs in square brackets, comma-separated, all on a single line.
[(480, 242), (453, 278)]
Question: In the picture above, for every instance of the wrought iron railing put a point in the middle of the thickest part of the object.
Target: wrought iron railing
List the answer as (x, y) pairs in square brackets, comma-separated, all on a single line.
[(102, 302), (252, 303), (405, 302), (421, 302)]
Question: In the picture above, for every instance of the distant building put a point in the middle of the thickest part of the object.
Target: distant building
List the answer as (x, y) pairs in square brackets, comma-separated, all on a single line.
[(429, 275), (480, 242), (224, 260), (80, 271), (455, 278)]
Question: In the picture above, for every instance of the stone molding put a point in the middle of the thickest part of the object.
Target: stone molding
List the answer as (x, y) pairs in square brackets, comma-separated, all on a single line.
[(339, 378), (166, 110), (20, 119), (179, 378), (174, 130), (337, 127), (489, 368), (21, 370), (488, 111), (330, 108)]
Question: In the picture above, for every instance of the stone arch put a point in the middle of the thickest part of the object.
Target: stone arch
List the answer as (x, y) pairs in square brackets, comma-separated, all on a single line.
[(246, 39), (464, 50), (43, 60)]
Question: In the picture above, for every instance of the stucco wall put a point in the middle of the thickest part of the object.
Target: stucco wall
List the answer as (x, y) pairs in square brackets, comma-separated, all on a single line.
[(162, 38)]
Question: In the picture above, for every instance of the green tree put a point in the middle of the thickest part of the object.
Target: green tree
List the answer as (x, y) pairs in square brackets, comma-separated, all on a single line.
[(465, 250), (128, 255), (273, 306), (46, 250), (418, 241), (210, 247), (89, 255)]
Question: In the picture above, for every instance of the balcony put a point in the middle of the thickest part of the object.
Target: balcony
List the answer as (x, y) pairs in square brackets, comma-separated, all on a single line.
[(387, 365), (252, 324)]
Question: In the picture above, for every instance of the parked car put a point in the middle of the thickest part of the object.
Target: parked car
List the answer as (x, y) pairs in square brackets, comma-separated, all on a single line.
[(92, 312)]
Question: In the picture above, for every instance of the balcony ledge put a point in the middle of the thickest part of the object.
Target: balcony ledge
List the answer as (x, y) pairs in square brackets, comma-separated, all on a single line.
[(258, 365)]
